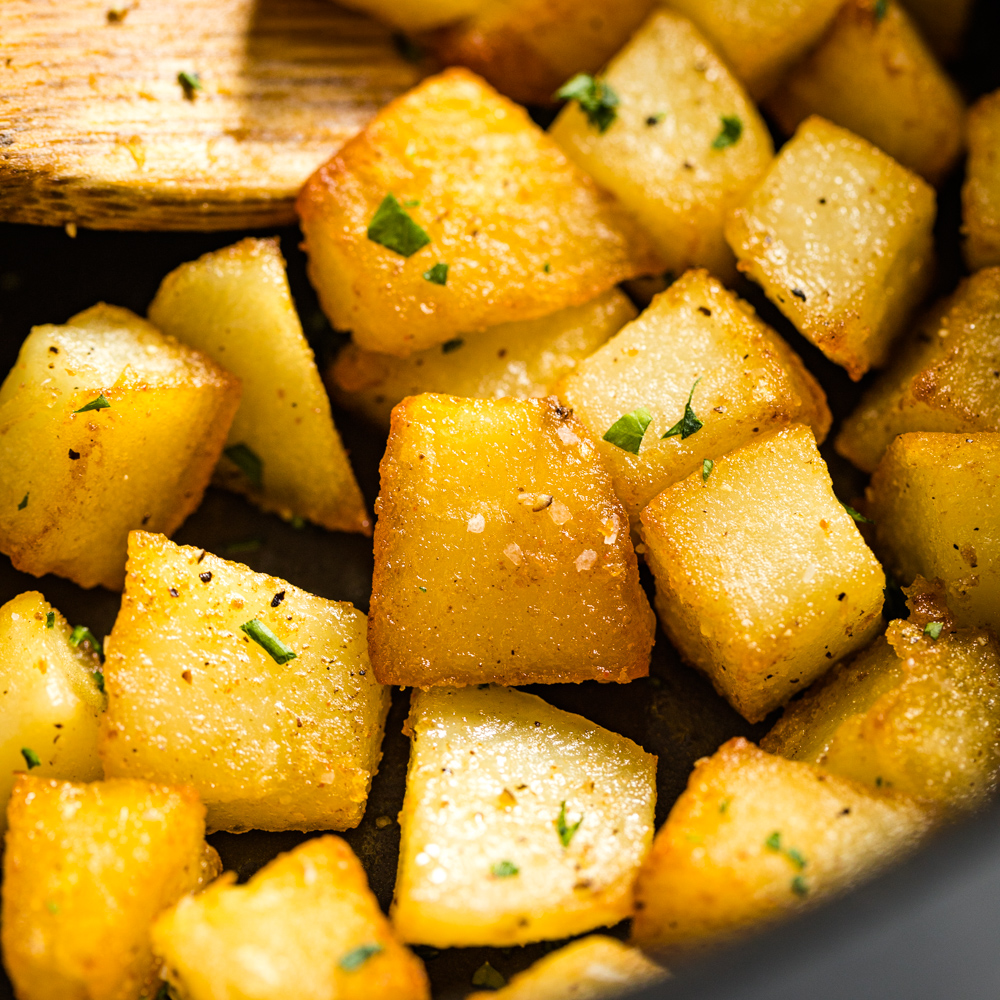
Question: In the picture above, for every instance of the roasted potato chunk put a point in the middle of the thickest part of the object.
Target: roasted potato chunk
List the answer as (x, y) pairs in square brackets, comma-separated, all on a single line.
[(748, 382), (839, 236), (981, 191), (105, 425), (943, 379), (86, 871), (305, 925), (452, 212), (51, 697), (283, 449), (521, 822), (501, 551), (874, 74), (523, 360), (755, 838), (668, 156), (204, 649), (417, 15), (762, 578)]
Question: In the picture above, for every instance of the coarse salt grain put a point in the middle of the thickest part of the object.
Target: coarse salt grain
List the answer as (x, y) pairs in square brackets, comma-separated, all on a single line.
[(477, 523), (585, 560)]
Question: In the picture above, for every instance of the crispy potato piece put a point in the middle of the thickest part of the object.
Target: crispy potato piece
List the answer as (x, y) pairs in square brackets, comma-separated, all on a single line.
[(183, 676), (590, 969), (755, 838), (523, 360), (760, 39), (981, 191), (762, 578), (235, 305), (524, 232), (529, 48), (73, 484), (50, 698), (521, 822), (749, 381), (840, 237), (417, 15), (877, 77), (501, 551), (913, 712), (661, 157), (944, 378), (943, 23), (86, 871), (306, 925)]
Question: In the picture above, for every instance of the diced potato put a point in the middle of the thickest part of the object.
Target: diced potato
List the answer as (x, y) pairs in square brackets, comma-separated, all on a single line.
[(529, 48), (590, 969), (981, 191), (521, 822), (840, 237), (762, 578), (760, 39), (943, 23), (74, 481), (194, 699), (306, 925), (51, 697), (933, 499), (501, 551), (749, 381), (661, 157), (914, 712), (86, 871), (876, 76), (755, 838), (945, 378), (417, 15), (235, 305), (477, 187), (522, 360)]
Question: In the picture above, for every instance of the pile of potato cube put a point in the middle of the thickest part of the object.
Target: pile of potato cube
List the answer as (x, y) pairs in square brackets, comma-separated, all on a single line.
[(545, 324)]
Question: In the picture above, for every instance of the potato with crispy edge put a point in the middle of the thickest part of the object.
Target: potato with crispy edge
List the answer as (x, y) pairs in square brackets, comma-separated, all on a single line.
[(762, 578), (663, 156), (306, 925), (521, 822), (840, 238), (523, 360), (236, 307), (946, 377), (756, 838), (749, 381), (105, 425), (258, 694), (981, 191), (86, 871), (51, 697), (501, 551), (476, 186)]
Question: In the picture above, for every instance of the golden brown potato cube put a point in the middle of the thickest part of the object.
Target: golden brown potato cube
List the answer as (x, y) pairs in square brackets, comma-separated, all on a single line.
[(760, 39), (283, 449), (592, 968), (86, 872), (417, 15), (521, 822), (762, 578), (981, 191), (749, 381), (105, 425), (523, 360), (501, 551), (668, 156), (305, 925), (51, 697), (251, 690), (875, 75), (755, 838), (452, 212), (529, 48), (944, 378), (943, 23), (839, 236)]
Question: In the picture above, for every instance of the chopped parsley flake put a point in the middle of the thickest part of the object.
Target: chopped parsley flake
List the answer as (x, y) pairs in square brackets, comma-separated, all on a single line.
[(268, 641), (98, 676), (706, 469), (298, 522), (689, 423), (933, 629), (627, 431), (23, 503), (82, 634), (881, 9), (50, 619), (857, 515), (504, 869), (724, 806), (596, 99), (451, 345), (357, 957), (52, 907), (392, 227), (773, 843), (799, 886), (95, 404), (30, 758), (796, 858), (247, 461), (547, 267), (656, 119), (438, 274), (247, 545), (487, 976), (729, 134), (423, 590), (565, 830), (190, 82)]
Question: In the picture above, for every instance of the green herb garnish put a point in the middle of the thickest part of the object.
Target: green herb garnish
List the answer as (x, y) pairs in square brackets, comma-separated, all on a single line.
[(98, 676), (799, 886), (564, 829), (706, 469), (247, 545), (796, 858), (357, 957), (596, 99), (30, 758), (23, 503), (247, 461), (50, 619), (547, 267), (857, 515), (392, 227), (438, 274), (268, 641), (627, 431), (95, 404), (451, 345), (487, 976), (82, 634), (689, 423), (190, 82), (773, 843), (881, 9), (933, 629), (423, 590), (729, 134), (724, 806), (656, 119), (504, 869), (52, 907)]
